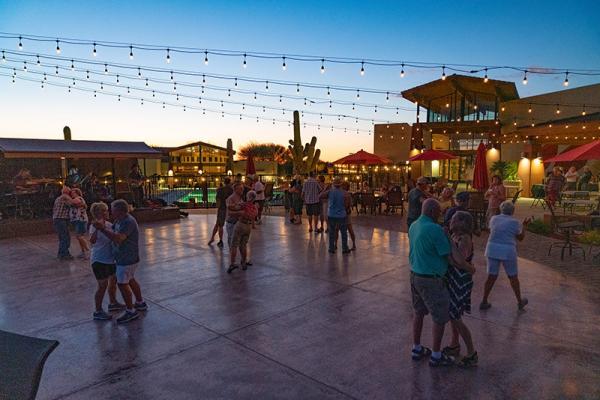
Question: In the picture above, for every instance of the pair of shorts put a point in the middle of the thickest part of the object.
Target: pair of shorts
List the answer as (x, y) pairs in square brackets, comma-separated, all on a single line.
[(221, 215), (125, 273), (241, 234), (103, 271), (430, 296), (313, 209), (324, 207), (510, 266), (80, 227)]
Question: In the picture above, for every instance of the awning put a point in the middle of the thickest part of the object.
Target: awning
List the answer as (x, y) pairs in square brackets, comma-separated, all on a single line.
[(363, 158), (590, 151), (49, 148), (431, 155)]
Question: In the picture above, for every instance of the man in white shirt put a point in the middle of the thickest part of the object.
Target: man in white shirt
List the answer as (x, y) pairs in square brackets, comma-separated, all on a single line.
[(259, 188)]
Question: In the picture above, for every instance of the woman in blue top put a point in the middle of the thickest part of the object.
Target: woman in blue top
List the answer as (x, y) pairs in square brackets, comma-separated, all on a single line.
[(501, 248)]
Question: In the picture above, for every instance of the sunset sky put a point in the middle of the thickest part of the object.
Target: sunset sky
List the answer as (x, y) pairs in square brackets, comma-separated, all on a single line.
[(530, 34)]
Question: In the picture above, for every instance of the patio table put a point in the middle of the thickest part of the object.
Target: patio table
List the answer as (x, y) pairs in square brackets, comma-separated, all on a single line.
[(575, 203)]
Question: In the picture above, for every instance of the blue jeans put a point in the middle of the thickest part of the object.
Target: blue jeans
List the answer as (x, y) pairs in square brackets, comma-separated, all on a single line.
[(334, 225), (61, 226)]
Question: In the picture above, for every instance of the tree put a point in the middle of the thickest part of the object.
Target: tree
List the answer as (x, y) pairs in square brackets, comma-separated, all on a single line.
[(264, 152)]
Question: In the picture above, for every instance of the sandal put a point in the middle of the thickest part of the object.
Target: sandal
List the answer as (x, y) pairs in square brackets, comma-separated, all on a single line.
[(451, 350), (468, 361)]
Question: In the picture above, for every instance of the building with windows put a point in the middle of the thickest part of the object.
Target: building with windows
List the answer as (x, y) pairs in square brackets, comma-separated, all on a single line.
[(195, 158)]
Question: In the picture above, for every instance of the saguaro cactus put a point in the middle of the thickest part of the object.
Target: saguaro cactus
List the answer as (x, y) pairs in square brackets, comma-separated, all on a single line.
[(67, 133), (304, 157)]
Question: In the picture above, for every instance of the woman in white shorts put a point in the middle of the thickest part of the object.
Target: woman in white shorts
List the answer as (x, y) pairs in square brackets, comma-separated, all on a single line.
[(501, 248)]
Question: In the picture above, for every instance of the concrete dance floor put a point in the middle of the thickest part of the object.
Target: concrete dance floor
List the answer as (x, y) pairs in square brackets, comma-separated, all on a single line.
[(300, 323)]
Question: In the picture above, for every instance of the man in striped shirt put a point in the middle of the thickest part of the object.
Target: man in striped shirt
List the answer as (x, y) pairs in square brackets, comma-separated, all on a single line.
[(310, 196)]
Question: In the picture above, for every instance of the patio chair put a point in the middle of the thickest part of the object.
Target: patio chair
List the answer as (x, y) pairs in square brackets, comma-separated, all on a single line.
[(539, 196), (477, 208), (394, 200), (368, 202), (565, 230), (22, 360), (355, 202)]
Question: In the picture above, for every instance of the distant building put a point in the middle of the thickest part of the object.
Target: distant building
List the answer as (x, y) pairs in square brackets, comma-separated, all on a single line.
[(393, 141), (195, 158)]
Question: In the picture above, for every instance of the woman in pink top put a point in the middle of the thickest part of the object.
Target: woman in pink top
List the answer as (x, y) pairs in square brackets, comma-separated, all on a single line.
[(495, 195)]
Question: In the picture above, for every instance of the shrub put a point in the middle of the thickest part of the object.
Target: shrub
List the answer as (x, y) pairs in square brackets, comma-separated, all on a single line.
[(590, 237), (538, 226)]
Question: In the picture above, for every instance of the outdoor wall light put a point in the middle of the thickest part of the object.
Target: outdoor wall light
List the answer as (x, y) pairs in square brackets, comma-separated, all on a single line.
[(229, 173)]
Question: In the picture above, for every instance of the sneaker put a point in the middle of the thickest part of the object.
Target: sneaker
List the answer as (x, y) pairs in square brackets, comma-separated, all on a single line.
[(102, 316), (220, 244), (443, 361), (484, 305), (523, 303), (141, 306), (347, 251), (116, 307), (419, 355), (248, 263), (468, 361), (331, 251), (66, 258), (451, 351), (127, 317), (232, 267)]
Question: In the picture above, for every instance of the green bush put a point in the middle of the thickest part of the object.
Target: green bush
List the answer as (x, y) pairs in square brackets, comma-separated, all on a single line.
[(538, 226), (590, 237)]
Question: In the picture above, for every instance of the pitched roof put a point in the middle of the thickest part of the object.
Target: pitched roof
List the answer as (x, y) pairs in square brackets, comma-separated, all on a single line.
[(196, 144), (52, 148)]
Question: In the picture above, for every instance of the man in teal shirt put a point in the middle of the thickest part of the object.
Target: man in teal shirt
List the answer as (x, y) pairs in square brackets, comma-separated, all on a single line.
[(428, 256)]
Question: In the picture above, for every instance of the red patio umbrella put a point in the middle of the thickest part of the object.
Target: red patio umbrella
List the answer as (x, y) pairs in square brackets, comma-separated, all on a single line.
[(250, 168), (363, 158), (590, 151), (431, 155), (480, 173)]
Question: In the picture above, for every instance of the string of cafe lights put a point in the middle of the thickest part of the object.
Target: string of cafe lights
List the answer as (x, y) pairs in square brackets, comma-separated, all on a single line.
[(43, 83), (179, 95), (329, 89), (284, 58), (173, 75)]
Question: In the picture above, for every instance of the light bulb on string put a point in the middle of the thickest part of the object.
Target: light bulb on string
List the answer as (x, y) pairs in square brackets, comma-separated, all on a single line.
[(529, 110), (402, 71), (38, 59), (128, 91), (387, 96), (141, 102), (20, 43), (235, 82), (322, 65), (206, 58), (330, 103), (203, 78), (153, 94), (3, 57), (42, 84), (73, 81), (72, 65), (168, 57), (353, 107), (583, 111), (267, 86), (57, 46), (202, 87), (362, 68), (146, 82), (283, 66), (375, 108), (485, 77), (280, 98), (228, 92), (139, 72), (118, 82), (172, 75), (131, 52), (525, 78), (177, 97), (357, 93), (557, 109), (45, 78), (443, 73), (254, 95), (101, 86), (305, 101), (297, 88), (119, 98), (94, 53), (566, 82), (174, 86), (24, 65), (328, 92), (244, 64)]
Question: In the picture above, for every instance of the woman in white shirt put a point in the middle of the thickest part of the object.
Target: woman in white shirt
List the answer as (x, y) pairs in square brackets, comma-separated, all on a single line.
[(501, 248), (571, 178), (103, 264)]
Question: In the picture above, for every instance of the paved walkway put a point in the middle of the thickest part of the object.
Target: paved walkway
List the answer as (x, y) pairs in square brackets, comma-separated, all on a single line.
[(298, 324)]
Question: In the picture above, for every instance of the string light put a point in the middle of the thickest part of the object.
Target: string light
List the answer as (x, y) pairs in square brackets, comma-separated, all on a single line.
[(94, 53), (3, 57), (357, 93), (529, 109), (525, 78), (57, 47), (24, 65), (118, 82), (244, 64), (297, 88), (283, 66), (267, 86), (20, 43), (131, 52), (566, 82), (362, 68), (328, 92), (72, 65), (235, 82), (168, 57), (206, 58), (140, 73), (557, 109), (583, 111), (443, 73), (38, 59), (387, 96), (105, 69), (322, 65), (402, 71), (485, 78)]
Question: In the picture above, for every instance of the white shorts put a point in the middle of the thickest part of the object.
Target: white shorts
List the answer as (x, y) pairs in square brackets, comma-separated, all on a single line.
[(125, 272)]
